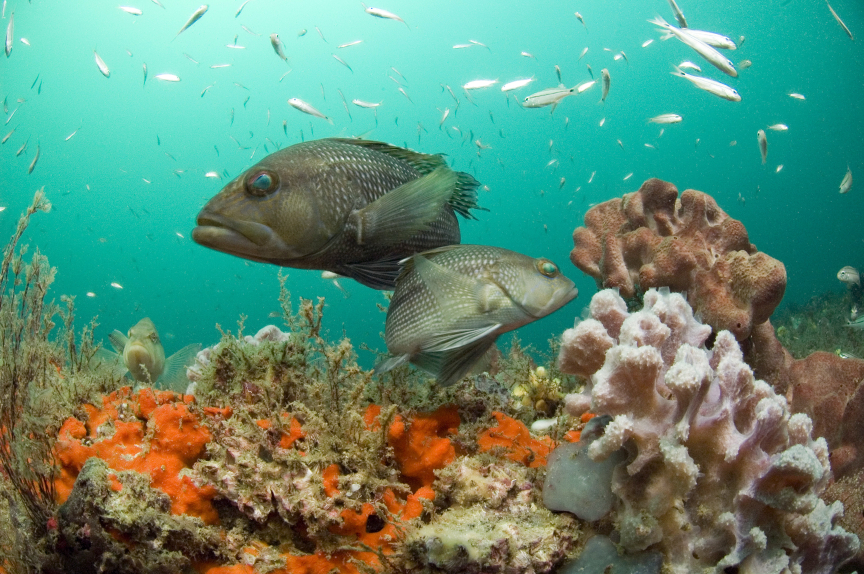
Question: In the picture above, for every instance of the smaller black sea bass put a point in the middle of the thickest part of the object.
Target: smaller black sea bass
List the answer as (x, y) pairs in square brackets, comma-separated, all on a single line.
[(353, 207), (452, 303)]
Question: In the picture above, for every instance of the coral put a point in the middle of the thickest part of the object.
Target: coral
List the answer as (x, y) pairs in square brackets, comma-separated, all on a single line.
[(44, 376), (344, 492), (650, 238), (336, 492), (541, 392), (288, 458), (719, 473)]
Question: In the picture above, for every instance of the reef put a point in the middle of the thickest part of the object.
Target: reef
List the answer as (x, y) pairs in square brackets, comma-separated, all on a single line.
[(284, 455), (651, 238), (718, 473)]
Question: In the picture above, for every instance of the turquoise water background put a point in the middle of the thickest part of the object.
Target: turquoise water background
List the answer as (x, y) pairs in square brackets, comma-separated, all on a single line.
[(110, 225)]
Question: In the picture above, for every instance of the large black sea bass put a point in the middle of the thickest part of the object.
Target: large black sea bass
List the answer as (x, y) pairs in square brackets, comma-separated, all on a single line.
[(452, 303), (353, 207)]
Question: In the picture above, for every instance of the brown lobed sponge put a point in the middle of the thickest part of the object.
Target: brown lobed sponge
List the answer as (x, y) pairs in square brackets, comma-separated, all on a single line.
[(651, 238)]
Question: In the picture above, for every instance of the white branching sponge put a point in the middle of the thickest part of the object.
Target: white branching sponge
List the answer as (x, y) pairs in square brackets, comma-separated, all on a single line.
[(718, 473)]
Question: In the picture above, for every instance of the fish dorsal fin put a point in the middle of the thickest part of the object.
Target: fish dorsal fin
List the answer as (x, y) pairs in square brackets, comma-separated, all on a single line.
[(407, 264), (450, 366), (173, 376), (118, 340), (407, 210), (381, 274), (422, 162), (462, 200)]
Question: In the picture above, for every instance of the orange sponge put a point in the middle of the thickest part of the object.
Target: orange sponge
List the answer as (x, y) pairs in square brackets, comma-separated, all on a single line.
[(516, 440), (421, 446), (149, 432)]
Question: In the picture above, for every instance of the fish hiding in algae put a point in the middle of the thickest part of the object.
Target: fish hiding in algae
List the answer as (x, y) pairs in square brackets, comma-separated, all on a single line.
[(141, 353), (353, 207), (452, 303)]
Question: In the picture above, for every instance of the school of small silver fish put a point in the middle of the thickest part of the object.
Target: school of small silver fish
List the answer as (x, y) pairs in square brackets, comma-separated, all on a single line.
[(393, 203)]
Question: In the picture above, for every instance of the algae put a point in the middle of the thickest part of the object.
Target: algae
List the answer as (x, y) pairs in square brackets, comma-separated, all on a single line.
[(45, 375), (820, 325)]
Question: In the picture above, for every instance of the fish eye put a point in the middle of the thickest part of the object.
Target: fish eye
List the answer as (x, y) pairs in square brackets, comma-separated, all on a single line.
[(547, 268), (262, 183)]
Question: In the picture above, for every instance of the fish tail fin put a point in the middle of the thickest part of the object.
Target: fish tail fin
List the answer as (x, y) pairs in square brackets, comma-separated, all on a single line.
[(666, 35), (659, 21), (678, 72)]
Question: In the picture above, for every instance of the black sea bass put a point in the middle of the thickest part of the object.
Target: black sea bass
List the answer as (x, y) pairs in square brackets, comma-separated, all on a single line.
[(452, 303), (353, 207)]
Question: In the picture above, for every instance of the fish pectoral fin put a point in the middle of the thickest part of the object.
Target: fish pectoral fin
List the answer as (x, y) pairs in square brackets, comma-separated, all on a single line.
[(118, 340), (405, 211), (173, 376), (112, 360), (455, 338), (390, 364), (450, 366), (451, 289), (375, 274)]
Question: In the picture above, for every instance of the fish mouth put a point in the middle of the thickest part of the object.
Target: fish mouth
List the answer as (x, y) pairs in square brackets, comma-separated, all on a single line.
[(139, 359), (246, 239), (559, 298)]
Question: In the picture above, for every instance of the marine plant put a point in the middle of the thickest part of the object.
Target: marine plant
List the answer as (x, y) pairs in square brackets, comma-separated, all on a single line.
[(44, 374), (820, 324)]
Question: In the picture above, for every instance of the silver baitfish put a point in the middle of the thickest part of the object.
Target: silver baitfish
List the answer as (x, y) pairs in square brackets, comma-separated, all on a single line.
[(353, 207), (452, 303)]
